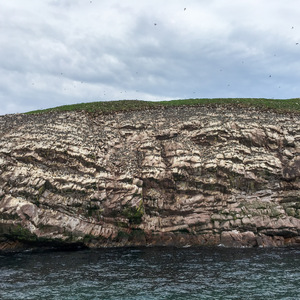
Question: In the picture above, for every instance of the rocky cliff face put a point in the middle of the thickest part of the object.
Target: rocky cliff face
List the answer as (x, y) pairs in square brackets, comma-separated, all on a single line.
[(168, 176)]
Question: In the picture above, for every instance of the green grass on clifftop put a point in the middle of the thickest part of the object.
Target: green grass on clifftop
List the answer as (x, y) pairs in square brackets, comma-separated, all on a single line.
[(288, 105)]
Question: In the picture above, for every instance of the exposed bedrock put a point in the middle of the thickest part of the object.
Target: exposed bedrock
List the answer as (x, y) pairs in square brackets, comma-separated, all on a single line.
[(167, 176)]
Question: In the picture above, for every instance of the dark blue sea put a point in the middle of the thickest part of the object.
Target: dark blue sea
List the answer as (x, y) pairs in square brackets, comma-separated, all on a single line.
[(152, 273)]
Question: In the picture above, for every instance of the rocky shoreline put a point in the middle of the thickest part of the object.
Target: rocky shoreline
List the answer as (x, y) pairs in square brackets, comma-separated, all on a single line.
[(170, 176)]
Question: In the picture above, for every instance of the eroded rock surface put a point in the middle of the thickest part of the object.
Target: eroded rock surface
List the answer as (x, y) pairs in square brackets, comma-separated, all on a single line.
[(168, 176)]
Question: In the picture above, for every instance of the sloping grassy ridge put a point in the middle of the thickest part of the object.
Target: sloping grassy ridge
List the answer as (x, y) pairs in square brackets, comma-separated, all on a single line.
[(288, 105)]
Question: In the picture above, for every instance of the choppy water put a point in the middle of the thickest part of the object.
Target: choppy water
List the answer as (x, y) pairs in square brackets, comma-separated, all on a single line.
[(152, 273)]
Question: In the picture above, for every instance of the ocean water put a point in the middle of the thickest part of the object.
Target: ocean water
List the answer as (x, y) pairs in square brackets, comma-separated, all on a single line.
[(152, 273)]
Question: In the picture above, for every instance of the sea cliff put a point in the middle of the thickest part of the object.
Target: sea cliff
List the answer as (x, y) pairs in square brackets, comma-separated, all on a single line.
[(189, 175)]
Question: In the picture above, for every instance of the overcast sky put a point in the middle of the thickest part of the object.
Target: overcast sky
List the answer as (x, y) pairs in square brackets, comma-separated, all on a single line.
[(56, 52)]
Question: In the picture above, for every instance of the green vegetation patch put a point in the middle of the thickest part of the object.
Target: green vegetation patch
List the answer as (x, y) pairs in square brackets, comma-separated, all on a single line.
[(134, 214), (22, 234), (260, 208), (292, 208), (284, 105)]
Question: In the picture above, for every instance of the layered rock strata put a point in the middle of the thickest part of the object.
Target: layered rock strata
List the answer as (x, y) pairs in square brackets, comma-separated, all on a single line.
[(203, 175)]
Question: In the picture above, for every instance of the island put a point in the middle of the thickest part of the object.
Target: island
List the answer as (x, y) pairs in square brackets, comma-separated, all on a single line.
[(198, 172)]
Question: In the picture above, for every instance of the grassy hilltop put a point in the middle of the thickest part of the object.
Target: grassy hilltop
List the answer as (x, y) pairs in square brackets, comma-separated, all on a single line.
[(288, 105)]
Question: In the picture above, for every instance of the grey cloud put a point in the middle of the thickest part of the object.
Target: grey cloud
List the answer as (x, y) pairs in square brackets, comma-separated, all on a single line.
[(76, 51)]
